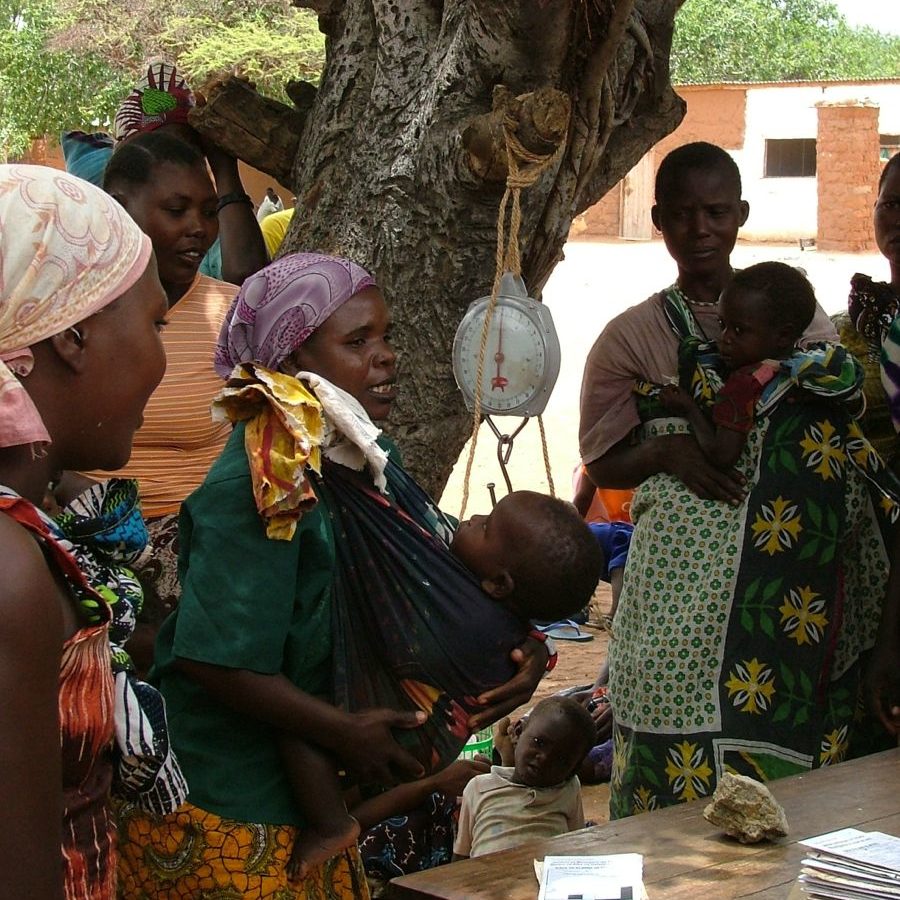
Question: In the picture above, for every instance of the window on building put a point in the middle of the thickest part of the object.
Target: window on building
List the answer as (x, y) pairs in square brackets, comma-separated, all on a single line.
[(890, 144), (790, 158)]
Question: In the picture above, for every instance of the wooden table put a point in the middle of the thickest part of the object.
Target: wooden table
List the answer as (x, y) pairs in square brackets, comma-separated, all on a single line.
[(684, 855)]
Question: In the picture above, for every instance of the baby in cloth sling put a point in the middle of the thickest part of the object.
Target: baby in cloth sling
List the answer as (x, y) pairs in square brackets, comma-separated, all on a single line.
[(424, 634)]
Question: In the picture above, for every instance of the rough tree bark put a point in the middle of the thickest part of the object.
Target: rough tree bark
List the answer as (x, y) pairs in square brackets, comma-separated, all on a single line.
[(396, 164)]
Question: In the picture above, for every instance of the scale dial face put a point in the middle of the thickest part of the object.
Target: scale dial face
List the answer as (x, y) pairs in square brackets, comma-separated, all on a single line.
[(521, 362)]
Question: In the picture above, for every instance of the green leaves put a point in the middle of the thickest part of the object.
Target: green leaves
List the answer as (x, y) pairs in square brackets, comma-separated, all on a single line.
[(67, 64), (795, 698), (822, 532), (775, 40), (758, 598), (269, 46), (45, 89)]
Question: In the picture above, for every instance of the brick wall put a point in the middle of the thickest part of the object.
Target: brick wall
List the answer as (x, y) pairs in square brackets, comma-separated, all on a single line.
[(847, 169), (713, 113), (717, 114), (601, 219)]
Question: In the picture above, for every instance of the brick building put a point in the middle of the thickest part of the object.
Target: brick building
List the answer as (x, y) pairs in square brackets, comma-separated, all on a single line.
[(809, 153)]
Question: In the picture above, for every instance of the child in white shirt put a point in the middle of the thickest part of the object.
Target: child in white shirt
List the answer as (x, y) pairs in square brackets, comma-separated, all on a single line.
[(538, 798)]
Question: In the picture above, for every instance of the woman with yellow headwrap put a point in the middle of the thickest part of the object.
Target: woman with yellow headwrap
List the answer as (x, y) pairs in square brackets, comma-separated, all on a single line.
[(80, 311)]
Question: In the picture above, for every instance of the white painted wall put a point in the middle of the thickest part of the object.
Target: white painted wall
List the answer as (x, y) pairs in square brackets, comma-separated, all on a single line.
[(784, 209)]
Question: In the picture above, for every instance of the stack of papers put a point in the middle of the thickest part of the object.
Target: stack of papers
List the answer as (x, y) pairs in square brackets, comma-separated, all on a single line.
[(618, 876), (852, 865)]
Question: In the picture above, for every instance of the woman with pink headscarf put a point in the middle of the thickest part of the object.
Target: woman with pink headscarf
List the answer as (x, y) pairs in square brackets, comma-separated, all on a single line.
[(81, 308)]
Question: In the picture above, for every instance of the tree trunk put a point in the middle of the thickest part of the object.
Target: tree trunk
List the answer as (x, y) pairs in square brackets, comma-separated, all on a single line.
[(385, 175)]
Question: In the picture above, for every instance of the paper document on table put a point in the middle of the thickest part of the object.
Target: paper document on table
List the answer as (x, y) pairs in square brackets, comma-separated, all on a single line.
[(852, 865), (870, 849), (617, 876)]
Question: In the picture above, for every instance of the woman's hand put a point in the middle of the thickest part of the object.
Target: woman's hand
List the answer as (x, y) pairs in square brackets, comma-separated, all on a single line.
[(883, 684), (453, 780), (600, 710), (675, 399), (531, 659), (223, 164), (370, 751), (681, 456)]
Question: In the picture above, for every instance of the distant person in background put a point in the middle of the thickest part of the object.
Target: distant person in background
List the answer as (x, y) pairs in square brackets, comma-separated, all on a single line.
[(271, 203), (274, 228), (870, 327), (599, 504)]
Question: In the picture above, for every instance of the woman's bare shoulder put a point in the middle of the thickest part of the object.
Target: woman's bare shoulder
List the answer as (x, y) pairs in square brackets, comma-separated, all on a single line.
[(28, 588)]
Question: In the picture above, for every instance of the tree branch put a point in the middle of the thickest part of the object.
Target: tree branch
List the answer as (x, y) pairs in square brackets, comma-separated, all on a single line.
[(302, 94), (262, 132)]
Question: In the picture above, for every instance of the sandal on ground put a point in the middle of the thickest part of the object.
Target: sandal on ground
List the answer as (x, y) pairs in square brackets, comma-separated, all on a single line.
[(565, 631)]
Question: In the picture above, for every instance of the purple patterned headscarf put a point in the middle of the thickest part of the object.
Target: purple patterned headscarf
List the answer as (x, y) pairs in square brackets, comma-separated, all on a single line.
[(280, 306)]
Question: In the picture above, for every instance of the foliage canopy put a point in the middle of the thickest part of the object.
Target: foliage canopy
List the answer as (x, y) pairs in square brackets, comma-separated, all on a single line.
[(44, 89), (68, 63), (776, 40)]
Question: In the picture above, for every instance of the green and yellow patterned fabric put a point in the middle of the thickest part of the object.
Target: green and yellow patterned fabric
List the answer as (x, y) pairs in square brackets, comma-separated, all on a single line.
[(740, 630)]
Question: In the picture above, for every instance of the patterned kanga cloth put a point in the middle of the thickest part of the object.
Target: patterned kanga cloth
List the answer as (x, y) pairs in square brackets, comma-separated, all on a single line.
[(86, 728), (740, 629), (107, 535), (194, 854)]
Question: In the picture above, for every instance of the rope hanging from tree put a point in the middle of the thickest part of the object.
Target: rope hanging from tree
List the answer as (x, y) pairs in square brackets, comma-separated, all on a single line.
[(524, 168)]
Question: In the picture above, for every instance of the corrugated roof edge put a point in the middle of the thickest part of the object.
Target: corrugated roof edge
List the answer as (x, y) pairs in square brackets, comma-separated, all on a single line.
[(824, 82)]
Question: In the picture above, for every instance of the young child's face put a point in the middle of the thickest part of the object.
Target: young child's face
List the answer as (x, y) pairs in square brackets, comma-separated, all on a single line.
[(748, 334), (547, 751), (487, 544)]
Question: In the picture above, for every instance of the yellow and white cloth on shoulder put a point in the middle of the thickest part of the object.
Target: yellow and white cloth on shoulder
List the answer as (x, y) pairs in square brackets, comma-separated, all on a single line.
[(289, 426)]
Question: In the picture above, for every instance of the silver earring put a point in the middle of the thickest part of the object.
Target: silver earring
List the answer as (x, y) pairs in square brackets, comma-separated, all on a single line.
[(79, 340)]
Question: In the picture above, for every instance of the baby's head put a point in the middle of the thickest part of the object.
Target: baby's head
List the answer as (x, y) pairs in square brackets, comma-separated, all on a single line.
[(533, 553), (764, 311), (556, 738)]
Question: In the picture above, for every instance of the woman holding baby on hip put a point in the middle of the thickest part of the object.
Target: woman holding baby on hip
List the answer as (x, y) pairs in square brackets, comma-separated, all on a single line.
[(756, 585)]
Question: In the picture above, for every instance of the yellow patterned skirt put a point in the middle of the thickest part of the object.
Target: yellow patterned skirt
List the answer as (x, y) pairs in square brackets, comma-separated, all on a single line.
[(198, 855)]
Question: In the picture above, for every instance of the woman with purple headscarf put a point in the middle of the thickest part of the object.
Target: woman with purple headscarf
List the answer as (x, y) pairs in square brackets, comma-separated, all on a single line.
[(318, 600)]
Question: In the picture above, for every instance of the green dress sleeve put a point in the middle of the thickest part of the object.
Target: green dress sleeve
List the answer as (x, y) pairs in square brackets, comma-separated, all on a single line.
[(249, 602)]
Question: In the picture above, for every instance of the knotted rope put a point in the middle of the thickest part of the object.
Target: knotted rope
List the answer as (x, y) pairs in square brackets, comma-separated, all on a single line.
[(523, 168)]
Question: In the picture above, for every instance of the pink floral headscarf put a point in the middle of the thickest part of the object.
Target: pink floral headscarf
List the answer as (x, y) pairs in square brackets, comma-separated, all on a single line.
[(280, 306), (67, 249)]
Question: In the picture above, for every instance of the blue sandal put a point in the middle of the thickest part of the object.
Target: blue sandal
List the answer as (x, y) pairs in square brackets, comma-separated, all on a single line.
[(565, 631)]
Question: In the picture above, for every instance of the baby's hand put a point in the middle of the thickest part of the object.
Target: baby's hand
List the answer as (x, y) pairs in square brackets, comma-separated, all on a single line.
[(675, 399)]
